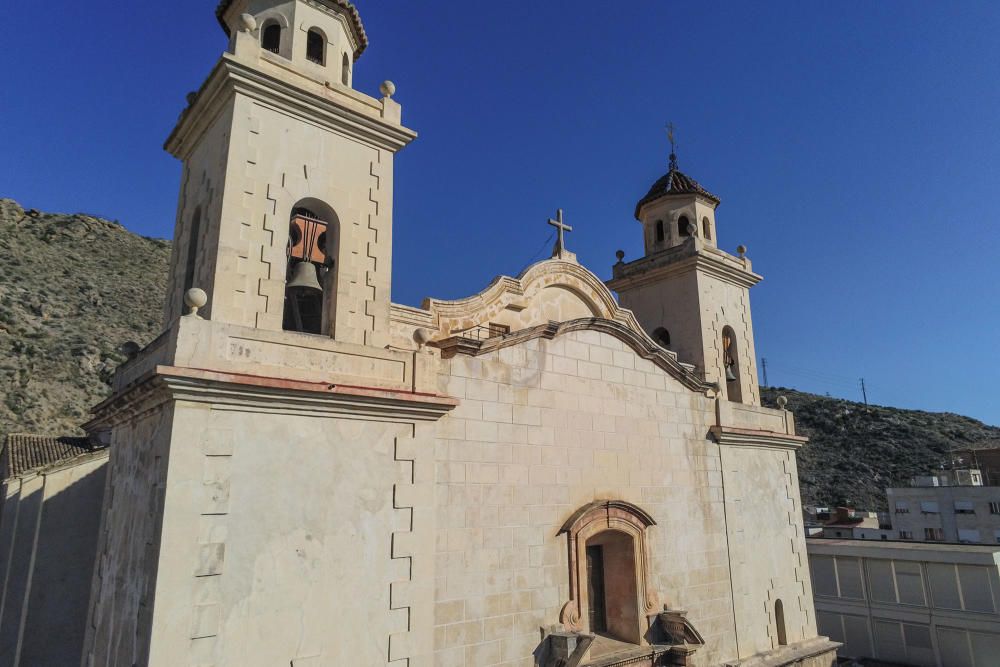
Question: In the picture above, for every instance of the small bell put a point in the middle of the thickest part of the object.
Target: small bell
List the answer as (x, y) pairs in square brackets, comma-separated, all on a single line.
[(730, 376), (304, 278)]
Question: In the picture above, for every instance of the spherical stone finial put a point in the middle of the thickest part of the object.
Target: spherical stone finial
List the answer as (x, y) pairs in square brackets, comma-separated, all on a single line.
[(423, 336), (620, 255), (782, 402), (742, 250), (247, 23), (388, 88), (195, 298)]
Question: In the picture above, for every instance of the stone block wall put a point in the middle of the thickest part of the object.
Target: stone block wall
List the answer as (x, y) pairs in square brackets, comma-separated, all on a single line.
[(544, 428)]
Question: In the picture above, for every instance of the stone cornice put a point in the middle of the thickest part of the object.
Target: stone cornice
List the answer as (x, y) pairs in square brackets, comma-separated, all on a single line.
[(637, 340), (231, 76), (691, 256), (742, 437), (268, 394)]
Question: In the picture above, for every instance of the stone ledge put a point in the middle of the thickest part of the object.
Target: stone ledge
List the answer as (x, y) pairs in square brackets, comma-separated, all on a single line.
[(820, 651), (251, 392)]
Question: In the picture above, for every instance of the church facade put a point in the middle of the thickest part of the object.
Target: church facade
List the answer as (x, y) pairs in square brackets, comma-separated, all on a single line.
[(303, 473)]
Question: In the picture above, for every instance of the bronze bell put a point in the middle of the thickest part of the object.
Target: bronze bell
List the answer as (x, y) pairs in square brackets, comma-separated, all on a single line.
[(304, 278), (730, 376)]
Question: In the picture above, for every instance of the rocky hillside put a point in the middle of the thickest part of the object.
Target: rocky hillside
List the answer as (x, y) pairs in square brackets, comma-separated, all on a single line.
[(855, 451), (73, 288)]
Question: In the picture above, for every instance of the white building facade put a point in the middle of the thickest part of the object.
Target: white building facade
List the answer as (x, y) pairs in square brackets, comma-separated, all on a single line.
[(914, 604)]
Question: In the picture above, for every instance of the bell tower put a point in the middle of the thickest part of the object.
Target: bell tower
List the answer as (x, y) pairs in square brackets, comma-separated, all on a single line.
[(285, 210), (691, 297)]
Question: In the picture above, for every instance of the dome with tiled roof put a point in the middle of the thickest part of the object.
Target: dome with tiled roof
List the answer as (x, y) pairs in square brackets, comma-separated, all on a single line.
[(342, 5), (674, 182)]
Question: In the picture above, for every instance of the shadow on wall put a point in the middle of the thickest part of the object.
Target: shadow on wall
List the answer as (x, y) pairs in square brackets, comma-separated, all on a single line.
[(64, 557)]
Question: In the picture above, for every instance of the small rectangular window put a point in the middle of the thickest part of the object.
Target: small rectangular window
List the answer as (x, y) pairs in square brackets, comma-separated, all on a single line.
[(905, 535), (964, 507), (929, 507), (995, 508), (933, 534)]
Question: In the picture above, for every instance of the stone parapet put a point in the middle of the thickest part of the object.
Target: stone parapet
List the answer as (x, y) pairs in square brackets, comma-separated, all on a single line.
[(297, 359)]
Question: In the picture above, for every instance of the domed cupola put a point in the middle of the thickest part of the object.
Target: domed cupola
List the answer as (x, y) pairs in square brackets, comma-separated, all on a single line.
[(675, 208), (674, 182)]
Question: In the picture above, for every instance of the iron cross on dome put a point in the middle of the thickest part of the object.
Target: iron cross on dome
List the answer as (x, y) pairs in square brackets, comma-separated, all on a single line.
[(560, 248)]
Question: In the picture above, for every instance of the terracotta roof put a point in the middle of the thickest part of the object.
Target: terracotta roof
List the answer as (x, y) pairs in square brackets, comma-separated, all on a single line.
[(348, 7), (23, 453), (674, 182)]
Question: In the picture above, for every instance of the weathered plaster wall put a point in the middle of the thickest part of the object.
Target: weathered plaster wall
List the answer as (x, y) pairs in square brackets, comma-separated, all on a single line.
[(65, 550), (121, 614), (544, 428), (274, 526), (767, 543), (203, 182)]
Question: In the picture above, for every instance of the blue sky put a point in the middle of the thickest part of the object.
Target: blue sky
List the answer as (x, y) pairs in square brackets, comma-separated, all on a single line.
[(854, 146)]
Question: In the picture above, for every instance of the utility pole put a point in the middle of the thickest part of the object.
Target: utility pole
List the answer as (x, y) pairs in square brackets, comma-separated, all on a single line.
[(864, 391), (763, 365)]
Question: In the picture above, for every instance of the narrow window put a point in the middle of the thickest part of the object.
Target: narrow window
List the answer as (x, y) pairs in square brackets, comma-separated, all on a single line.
[(194, 239), (731, 365), (662, 336), (779, 621), (345, 71), (659, 231), (270, 39), (706, 229), (682, 226), (315, 47)]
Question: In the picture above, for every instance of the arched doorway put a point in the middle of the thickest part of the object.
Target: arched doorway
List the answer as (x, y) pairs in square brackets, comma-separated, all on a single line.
[(609, 571), (612, 598)]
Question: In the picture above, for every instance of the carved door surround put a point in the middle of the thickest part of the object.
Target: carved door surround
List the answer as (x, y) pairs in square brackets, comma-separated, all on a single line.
[(588, 522)]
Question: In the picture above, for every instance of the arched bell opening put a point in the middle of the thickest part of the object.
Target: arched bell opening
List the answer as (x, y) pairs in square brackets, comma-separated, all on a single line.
[(731, 366), (270, 36), (662, 337), (311, 272)]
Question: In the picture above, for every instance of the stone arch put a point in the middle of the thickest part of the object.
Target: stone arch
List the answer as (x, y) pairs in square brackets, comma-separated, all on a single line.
[(731, 365), (313, 249), (279, 25), (779, 622), (316, 46), (620, 528)]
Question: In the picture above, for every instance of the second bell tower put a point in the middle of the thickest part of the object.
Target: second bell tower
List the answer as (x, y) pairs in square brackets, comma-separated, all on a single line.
[(691, 297)]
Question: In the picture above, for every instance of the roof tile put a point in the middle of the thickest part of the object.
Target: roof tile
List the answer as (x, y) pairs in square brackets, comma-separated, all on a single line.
[(23, 452)]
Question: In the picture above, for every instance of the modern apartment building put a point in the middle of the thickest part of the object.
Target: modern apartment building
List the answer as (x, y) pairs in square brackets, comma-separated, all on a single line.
[(952, 506), (928, 605)]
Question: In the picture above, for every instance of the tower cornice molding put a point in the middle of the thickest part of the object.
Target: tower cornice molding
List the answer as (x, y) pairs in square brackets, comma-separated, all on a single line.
[(355, 115), (240, 391), (684, 259)]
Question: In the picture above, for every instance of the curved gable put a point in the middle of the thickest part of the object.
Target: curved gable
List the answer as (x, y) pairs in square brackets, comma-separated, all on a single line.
[(548, 299)]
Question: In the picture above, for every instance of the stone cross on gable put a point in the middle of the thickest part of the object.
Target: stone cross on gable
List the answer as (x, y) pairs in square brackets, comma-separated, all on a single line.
[(560, 248)]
